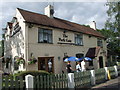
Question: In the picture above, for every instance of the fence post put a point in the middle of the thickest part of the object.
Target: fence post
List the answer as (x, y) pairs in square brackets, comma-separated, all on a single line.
[(92, 72), (116, 72), (71, 83), (106, 73), (29, 82)]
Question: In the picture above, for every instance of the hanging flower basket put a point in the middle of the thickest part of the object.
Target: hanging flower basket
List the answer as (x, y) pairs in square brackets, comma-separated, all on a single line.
[(32, 60), (20, 60)]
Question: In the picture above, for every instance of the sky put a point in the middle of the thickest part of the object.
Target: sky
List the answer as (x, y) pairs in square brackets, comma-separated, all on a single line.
[(78, 12)]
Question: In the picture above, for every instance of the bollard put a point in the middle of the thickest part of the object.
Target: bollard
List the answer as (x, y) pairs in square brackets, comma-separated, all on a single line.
[(71, 83), (93, 82), (106, 73), (109, 77), (116, 72), (29, 82)]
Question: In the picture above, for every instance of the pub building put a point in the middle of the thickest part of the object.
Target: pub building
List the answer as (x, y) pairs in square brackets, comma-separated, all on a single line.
[(48, 38)]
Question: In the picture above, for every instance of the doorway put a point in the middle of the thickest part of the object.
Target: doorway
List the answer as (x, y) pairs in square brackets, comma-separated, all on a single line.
[(46, 63), (101, 62)]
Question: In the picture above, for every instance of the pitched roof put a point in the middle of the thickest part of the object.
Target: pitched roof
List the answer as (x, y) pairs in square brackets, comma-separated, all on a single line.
[(40, 19)]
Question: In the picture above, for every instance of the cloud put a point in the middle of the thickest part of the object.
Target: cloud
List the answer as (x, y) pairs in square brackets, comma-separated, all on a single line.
[(79, 12), (83, 13)]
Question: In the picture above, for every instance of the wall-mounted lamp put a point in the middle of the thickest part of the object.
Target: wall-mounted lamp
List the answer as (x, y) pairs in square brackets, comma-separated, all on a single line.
[(90, 36), (58, 58), (65, 54), (31, 54), (64, 31), (30, 25)]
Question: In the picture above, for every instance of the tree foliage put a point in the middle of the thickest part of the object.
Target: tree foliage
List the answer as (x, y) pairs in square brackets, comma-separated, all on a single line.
[(112, 28), (113, 42), (113, 12)]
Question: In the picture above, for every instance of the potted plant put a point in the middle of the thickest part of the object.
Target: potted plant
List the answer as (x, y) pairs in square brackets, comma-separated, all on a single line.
[(32, 60), (20, 60)]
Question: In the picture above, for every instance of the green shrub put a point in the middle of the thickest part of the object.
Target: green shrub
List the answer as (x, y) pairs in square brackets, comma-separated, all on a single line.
[(34, 73)]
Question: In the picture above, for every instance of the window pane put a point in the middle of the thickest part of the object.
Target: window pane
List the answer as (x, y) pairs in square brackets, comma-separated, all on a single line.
[(50, 38), (41, 37), (49, 32), (45, 36)]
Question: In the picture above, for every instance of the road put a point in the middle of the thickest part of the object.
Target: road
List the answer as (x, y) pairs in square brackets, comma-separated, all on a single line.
[(113, 84)]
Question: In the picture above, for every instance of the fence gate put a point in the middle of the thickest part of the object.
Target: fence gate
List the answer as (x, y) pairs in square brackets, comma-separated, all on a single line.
[(100, 75), (51, 81), (82, 79)]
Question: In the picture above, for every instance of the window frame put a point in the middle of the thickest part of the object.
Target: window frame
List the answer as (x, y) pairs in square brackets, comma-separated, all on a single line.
[(99, 42), (46, 33), (79, 40)]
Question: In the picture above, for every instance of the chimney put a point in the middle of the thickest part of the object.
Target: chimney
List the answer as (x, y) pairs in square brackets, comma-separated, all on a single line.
[(93, 25), (49, 11)]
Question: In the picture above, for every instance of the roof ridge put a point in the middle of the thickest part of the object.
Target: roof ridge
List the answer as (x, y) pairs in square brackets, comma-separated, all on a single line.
[(30, 11)]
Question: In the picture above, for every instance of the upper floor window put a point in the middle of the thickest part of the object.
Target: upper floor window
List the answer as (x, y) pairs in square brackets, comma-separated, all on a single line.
[(44, 35), (99, 42), (78, 39)]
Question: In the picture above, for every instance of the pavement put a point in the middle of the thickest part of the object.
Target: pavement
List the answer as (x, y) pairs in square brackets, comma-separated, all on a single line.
[(113, 84)]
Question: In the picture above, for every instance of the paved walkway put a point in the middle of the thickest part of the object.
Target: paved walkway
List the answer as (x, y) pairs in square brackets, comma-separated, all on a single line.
[(113, 84)]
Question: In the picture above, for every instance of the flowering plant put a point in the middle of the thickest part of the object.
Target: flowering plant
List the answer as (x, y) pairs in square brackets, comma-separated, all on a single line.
[(20, 60), (32, 60)]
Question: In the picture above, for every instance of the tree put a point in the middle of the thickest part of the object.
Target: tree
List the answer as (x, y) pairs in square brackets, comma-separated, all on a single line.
[(0, 48), (113, 21), (112, 27)]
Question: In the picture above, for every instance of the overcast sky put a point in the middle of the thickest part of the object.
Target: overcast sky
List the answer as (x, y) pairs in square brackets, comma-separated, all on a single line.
[(78, 12)]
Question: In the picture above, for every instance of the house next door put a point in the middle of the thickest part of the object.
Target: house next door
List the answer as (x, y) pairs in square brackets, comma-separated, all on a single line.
[(46, 63)]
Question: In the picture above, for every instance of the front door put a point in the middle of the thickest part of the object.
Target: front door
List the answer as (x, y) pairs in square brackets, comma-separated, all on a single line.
[(46, 63)]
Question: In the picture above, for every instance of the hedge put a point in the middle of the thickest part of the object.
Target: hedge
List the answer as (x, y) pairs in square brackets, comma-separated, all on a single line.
[(34, 73)]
